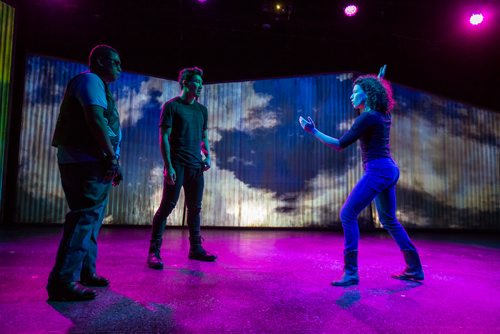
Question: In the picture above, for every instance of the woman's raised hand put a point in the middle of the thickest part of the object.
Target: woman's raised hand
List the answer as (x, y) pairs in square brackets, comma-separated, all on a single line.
[(307, 125), (381, 73)]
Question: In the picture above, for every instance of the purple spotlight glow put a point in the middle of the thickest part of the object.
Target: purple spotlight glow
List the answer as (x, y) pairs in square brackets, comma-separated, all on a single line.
[(202, 1), (476, 19), (350, 10)]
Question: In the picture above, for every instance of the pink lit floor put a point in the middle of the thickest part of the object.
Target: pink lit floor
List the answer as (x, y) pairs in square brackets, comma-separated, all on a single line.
[(263, 282)]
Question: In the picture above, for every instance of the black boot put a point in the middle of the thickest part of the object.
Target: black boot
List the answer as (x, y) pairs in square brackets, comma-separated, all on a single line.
[(350, 275), (197, 252), (154, 259), (69, 292), (413, 270), (94, 280)]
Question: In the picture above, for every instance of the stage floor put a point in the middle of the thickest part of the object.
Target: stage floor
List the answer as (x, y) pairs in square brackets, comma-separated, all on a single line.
[(263, 282)]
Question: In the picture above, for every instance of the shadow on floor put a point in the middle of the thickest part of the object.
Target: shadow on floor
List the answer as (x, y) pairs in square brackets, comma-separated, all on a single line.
[(112, 312), (352, 295)]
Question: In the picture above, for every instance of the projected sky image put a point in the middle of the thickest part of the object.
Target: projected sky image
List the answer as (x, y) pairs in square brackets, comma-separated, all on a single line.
[(266, 171)]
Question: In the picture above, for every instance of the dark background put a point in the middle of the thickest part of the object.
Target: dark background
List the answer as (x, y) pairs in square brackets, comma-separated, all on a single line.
[(428, 44)]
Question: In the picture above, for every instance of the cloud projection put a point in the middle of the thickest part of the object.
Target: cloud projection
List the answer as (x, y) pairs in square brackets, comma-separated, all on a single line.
[(266, 171)]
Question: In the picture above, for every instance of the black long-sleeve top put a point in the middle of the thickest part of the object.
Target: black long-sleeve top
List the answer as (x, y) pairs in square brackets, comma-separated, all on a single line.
[(372, 128)]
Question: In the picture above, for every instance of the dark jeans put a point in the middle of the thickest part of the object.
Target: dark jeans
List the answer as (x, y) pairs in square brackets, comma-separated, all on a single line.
[(191, 179), (87, 195), (378, 183)]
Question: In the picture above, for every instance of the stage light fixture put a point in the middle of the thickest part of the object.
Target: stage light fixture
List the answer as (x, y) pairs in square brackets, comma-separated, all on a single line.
[(280, 8), (276, 11), (476, 19), (350, 10)]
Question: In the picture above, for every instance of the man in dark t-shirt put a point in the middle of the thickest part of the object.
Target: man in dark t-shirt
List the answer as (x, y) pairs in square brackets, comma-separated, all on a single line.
[(183, 129)]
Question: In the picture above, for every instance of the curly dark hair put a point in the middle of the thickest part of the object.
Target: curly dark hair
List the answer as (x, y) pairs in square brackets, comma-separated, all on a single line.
[(188, 73), (378, 93)]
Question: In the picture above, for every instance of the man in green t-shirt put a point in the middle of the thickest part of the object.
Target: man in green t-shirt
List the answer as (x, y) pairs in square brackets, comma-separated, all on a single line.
[(183, 129)]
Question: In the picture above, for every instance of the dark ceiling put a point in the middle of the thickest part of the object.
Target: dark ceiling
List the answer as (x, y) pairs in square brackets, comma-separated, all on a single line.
[(427, 44)]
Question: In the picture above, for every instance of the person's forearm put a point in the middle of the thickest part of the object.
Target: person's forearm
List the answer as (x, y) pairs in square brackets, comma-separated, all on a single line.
[(165, 152), (207, 147), (327, 140), (99, 133)]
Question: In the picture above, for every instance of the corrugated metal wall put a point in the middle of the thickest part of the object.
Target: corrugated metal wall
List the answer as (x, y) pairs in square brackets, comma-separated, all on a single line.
[(448, 154), (7, 19), (139, 101), (40, 197), (266, 171)]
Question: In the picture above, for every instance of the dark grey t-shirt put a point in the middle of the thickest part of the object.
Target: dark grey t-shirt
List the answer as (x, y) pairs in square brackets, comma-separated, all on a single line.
[(188, 121), (372, 128)]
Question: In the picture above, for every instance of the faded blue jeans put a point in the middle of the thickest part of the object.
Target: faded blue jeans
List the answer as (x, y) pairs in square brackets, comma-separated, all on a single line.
[(87, 195), (378, 183)]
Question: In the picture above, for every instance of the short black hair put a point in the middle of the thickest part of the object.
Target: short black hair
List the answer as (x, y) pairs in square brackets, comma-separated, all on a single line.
[(100, 51), (188, 73)]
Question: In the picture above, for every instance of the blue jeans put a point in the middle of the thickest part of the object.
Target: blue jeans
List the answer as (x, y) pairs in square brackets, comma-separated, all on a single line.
[(191, 179), (378, 183), (87, 195)]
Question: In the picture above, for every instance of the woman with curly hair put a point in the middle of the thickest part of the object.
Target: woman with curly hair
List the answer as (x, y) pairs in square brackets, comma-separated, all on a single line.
[(372, 96)]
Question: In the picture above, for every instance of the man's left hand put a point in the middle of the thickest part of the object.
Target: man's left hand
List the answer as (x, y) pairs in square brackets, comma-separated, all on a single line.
[(111, 168), (207, 163), (118, 177)]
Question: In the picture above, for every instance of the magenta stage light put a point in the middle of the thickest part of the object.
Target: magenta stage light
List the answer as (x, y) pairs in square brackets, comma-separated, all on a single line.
[(476, 19), (350, 10)]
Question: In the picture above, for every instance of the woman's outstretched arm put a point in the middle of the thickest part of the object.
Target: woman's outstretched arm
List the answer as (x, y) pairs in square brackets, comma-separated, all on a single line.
[(308, 126)]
